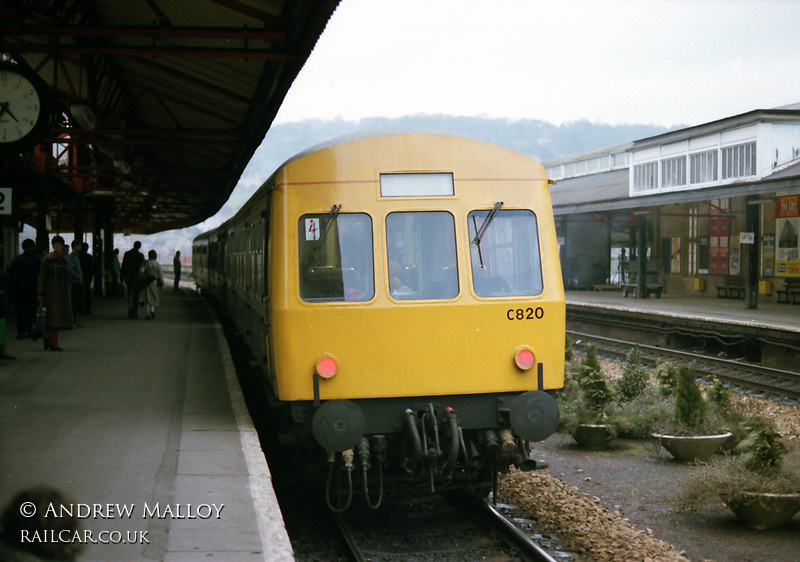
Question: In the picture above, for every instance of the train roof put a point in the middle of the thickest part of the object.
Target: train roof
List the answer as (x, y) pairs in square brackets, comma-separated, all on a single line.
[(337, 141)]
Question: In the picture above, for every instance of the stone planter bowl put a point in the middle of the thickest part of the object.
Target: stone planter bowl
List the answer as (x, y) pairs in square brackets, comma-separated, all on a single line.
[(692, 448), (593, 436), (765, 511)]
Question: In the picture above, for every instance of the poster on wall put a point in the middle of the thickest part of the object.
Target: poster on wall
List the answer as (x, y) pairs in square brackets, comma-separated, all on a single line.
[(675, 256), (719, 234), (736, 262), (768, 255), (787, 226)]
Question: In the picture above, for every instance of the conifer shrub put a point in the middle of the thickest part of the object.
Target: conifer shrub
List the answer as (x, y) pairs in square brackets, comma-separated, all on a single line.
[(690, 408), (634, 376), (589, 363), (766, 452), (596, 394)]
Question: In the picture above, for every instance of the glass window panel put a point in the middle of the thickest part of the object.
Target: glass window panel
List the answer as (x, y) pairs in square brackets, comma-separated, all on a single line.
[(673, 172), (645, 176), (416, 185), (421, 249), (507, 260), (336, 258)]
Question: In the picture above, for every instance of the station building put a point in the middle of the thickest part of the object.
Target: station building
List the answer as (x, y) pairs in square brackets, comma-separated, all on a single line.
[(689, 212)]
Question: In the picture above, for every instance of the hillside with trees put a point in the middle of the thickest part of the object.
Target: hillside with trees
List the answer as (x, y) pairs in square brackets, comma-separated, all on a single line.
[(538, 139)]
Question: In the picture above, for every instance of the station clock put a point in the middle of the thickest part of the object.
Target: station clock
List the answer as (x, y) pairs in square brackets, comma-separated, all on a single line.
[(25, 107)]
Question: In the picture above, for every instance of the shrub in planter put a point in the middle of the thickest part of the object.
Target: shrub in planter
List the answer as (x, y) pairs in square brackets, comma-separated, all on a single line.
[(694, 432), (761, 488), (583, 402), (644, 415), (589, 364)]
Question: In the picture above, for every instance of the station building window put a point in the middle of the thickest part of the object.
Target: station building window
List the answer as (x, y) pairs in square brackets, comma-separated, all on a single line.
[(506, 260), (673, 172), (739, 161), (421, 250), (645, 176), (703, 166), (336, 257)]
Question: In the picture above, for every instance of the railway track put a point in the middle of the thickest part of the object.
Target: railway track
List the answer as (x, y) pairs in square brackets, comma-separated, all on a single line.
[(437, 527), (775, 384)]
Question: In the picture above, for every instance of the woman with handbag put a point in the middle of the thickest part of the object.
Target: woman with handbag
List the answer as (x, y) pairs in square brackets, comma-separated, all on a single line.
[(55, 286), (149, 294)]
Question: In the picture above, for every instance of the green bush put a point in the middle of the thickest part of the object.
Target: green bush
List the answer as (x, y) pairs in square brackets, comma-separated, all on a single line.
[(589, 363), (585, 395), (666, 375), (642, 416), (766, 452), (634, 376), (568, 349), (690, 408), (719, 397), (596, 394)]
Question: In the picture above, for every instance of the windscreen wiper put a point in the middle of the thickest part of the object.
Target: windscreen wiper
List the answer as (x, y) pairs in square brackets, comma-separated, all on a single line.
[(328, 223), (480, 232)]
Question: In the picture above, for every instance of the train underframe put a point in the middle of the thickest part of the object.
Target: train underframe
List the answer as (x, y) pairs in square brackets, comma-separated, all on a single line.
[(434, 443)]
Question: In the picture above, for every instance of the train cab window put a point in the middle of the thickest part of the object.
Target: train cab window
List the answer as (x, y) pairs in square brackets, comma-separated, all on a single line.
[(505, 258), (336, 258), (421, 249)]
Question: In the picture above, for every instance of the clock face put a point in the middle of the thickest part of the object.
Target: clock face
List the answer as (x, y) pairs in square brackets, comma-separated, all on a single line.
[(20, 106)]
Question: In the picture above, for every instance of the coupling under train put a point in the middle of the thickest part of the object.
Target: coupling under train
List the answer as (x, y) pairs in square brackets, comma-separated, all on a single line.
[(402, 295)]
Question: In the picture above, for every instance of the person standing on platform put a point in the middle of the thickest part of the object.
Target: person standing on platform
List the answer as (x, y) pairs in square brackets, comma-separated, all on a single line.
[(115, 273), (176, 268), (23, 276), (87, 270), (131, 262), (76, 273), (54, 289), (150, 298), (3, 307)]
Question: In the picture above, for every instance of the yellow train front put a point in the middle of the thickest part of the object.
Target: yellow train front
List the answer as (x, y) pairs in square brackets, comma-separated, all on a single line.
[(414, 306)]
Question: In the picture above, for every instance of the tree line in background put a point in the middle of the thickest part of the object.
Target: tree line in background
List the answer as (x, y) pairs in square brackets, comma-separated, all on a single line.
[(538, 139)]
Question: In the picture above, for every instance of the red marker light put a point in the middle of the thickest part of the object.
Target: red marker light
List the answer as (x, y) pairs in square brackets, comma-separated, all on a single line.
[(524, 358), (326, 366)]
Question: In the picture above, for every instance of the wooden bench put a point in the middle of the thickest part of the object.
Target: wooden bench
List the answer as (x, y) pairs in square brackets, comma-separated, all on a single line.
[(732, 287), (651, 287), (791, 286)]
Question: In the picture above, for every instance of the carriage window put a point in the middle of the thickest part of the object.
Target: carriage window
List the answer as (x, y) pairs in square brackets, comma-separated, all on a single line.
[(336, 261), (506, 261), (421, 249)]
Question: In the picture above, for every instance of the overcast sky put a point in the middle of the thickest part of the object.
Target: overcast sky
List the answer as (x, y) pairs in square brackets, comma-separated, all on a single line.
[(662, 62)]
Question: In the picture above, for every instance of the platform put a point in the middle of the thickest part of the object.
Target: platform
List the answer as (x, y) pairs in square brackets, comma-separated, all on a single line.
[(769, 334), (769, 314), (143, 416)]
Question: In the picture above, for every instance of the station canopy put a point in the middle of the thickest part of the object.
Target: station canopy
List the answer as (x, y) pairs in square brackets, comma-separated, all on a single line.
[(159, 104)]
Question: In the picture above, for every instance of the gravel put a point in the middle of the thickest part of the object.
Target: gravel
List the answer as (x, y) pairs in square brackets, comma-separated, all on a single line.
[(618, 504)]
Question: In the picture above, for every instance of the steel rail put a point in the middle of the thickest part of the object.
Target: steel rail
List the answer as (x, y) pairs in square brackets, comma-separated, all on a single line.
[(527, 547), (348, 538), (742, 374)]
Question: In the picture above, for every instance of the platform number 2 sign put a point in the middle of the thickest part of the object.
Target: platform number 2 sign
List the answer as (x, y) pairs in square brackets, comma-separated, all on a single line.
[(5, 200), (312, 229)]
